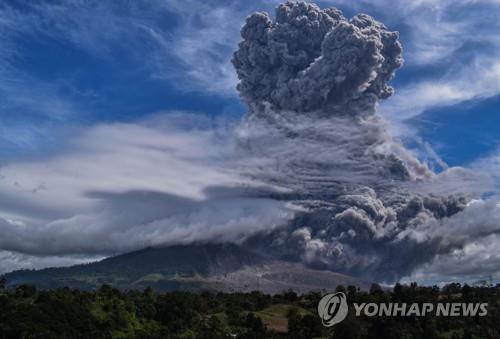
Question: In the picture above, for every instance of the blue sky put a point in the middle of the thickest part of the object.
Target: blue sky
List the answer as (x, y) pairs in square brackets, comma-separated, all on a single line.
[(59, 73), (65, 65), (92, 82)]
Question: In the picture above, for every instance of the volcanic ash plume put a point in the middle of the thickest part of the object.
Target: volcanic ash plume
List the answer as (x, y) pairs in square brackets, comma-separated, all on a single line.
[(311, 59), (312, 79)]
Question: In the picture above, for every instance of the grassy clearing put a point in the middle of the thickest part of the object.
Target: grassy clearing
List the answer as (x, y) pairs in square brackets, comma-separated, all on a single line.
[(275, 316)]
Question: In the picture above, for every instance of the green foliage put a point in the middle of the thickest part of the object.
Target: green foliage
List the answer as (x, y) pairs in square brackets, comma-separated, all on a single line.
[(107, 312)]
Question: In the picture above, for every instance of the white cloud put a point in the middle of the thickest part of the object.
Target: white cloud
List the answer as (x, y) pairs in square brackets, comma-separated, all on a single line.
[(476, 261), (203, 43), (120, 187), (489, 164), (477, 81), (10, 261), (469, 245)]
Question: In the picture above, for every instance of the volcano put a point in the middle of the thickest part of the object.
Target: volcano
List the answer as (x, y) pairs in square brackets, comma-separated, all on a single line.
[(215, 267)]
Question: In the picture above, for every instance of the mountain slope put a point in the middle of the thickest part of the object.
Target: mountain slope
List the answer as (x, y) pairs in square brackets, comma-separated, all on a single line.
[(192, 267)]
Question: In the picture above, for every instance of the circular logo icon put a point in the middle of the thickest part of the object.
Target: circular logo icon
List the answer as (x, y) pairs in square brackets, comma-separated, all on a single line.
[(332, 308)]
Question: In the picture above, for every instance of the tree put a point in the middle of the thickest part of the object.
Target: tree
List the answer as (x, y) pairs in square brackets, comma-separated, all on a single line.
[(255, 324), (351, 293), (212, 329), (348, 329), (375, 288), (340, 288)]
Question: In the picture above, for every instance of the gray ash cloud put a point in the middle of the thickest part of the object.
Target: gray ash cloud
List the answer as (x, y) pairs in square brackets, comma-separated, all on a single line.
[(313, 174), (312, 79), (310, 59)]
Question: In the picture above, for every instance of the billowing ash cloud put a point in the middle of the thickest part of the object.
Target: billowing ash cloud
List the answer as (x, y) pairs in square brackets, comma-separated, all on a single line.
[(312, 79), (310, 59), (312, 174)]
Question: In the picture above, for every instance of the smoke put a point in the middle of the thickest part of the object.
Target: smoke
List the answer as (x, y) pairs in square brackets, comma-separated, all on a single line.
[(312, 80), (310, 59), (312, 173)]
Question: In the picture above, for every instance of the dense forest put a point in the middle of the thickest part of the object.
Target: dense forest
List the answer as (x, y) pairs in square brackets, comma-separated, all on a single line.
[(26, 312)]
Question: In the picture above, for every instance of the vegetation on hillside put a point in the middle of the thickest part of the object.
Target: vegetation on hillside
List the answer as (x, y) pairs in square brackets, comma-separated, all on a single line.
[(26, 312)]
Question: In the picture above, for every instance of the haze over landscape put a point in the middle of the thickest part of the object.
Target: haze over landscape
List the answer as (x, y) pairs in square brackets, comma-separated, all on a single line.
[(364, 145)]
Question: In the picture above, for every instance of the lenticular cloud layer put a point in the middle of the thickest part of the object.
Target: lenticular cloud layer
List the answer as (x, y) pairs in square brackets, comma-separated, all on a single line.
[(312, 79)]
